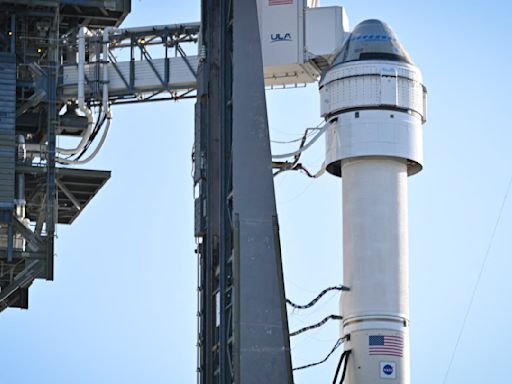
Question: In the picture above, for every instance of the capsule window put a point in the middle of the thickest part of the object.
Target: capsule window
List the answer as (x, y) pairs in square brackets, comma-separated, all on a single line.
[(357, 115)]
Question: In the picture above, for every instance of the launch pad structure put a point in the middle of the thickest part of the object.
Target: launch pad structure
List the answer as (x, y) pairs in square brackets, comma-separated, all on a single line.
[(61, 75), (50, 56)]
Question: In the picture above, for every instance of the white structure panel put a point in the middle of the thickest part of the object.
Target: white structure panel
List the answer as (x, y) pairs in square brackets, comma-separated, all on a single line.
[(282, 32), (376, 133), (281, 75), (358, 68), (375, 238), (377, 85), (326, 29), (371, 367), (294, 36)]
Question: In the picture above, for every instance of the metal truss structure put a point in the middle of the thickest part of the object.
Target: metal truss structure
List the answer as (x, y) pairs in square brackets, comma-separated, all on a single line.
[(36, 194), (38, 45), (144, 64)]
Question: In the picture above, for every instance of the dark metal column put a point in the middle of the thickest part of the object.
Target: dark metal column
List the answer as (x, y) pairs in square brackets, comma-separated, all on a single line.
[(243, 330), (52, 123), (263, 346), (213, 176)]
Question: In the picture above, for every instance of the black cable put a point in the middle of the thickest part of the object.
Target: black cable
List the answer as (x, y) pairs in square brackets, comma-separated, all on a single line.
[(95, 132), (317, 325), (336, 346), (294, 165), (344, 357), (342, 380), (315, 300), (300, 167)]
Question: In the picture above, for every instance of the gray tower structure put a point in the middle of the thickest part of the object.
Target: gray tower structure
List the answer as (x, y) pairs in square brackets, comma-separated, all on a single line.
[(56, 66), (36, 37), (243, 328)]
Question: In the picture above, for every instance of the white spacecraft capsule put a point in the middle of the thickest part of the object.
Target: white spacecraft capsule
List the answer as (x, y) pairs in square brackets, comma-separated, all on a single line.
[(374, 103)]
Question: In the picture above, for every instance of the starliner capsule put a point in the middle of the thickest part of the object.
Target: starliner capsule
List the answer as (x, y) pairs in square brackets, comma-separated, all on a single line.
[(374, 102)]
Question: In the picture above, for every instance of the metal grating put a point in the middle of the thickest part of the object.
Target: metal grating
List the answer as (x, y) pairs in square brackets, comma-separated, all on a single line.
[(76, 188), (7, 128), (91, 13)]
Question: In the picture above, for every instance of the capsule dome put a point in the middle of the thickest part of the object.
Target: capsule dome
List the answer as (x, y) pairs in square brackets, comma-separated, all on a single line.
[(372, 40)]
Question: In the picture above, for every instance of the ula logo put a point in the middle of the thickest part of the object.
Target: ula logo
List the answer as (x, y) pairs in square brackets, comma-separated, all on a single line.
[(275, 37)]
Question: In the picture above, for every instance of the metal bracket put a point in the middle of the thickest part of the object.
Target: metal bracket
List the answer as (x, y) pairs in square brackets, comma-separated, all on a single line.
[(34, 242)]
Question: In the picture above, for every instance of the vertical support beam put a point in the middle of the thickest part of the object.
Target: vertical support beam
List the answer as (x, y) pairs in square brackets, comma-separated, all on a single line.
[(51, 127), (210, 102), (7, 144), (13, 34), (10, 242), (133, 42), (226, 194), (262, 347), (216, 258), (243, 329)]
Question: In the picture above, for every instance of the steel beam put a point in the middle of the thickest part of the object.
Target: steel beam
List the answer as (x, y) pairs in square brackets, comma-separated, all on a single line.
[(51, 128), (243, 331), (262, 344), (213, 144)]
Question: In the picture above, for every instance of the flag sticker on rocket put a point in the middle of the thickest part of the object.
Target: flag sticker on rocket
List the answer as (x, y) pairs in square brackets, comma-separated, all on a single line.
[(386, 345), (280, 2)]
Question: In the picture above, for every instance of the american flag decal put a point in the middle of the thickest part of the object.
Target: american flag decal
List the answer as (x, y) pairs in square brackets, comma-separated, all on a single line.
[(280, 2), (386, 345)]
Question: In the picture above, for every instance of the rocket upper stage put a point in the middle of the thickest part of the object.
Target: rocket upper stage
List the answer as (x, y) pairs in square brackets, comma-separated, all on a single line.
[(373, 99)]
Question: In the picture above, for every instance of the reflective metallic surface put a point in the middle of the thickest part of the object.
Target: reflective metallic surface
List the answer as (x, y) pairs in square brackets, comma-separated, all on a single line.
[(372, 40)]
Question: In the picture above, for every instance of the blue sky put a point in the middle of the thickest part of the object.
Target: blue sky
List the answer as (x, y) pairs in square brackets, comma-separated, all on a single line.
[(122, 308)]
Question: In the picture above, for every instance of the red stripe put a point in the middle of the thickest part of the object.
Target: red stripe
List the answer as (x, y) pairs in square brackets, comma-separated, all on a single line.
[(387, 354), (279, 2), (386, 349)]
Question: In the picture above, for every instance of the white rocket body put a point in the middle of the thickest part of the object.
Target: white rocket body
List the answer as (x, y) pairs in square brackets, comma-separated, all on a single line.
[(373, 99)]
